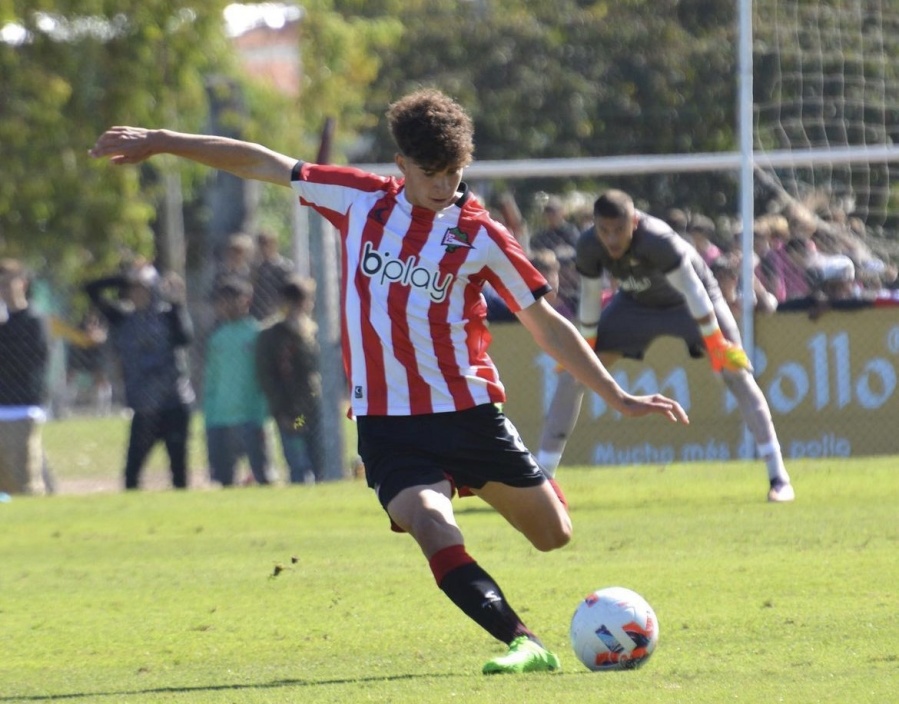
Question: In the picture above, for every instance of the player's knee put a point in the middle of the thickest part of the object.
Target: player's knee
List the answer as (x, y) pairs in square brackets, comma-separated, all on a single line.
[(428, 524), (554, 537)]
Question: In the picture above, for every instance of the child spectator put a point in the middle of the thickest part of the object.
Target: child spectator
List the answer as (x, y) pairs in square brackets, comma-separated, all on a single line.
[(234, 406), (270, 273), (287, 363)]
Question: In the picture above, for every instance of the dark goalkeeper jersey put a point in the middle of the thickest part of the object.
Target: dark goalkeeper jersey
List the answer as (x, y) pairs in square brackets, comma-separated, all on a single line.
[(655, 251)]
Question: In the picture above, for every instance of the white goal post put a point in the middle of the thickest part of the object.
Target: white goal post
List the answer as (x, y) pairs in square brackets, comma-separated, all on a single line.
[(659, 163)]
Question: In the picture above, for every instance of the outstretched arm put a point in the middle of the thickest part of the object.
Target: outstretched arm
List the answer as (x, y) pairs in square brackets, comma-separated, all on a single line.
[(559, 338), (132, 145)]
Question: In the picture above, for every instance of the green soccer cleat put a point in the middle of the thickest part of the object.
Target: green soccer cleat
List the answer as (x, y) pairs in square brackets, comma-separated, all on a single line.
[(524, 656)]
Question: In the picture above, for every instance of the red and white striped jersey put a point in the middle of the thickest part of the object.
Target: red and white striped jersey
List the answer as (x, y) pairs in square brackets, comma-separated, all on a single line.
[(413, 328)]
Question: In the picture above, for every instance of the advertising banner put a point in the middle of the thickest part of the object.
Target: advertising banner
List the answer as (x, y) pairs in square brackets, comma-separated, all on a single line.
[(831, 385)]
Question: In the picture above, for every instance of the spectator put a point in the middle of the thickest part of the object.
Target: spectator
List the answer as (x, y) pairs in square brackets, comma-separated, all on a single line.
[(86, 357), (234, 407), (799, 253), (150, 330), (236, 260), (726, 269), (831, 279), (770, 232), (547, 263), (287, 364), (557, 230), (270, 273), (569, 279), (676, 218), (873, 272), (24, 352), (801, 221), (510, 215), (701, 231)]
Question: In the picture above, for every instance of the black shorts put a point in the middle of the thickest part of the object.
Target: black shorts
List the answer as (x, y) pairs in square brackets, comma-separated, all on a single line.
[(628, 327), (469, 448)]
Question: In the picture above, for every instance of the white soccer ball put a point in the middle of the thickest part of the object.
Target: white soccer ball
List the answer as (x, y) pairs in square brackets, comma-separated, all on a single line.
[(614, 629)]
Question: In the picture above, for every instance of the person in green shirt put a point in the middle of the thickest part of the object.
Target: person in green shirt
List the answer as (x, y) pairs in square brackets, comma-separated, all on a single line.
[(234, 407)]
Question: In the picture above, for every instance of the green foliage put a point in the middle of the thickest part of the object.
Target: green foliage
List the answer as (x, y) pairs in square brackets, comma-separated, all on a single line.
[(570, 78), (166, 596), (573, 79), (151, 63), (95, 64), (341, 56)]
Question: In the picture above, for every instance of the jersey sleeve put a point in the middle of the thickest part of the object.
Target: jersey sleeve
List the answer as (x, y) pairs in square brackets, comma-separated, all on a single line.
[(510, 272), (587, 257), (331, 190)]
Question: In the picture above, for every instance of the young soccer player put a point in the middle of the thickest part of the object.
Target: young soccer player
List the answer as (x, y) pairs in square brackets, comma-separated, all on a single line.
[(664, 288), (416, 252)]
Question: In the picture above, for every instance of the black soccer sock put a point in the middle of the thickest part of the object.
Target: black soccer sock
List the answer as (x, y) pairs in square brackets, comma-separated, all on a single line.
[(476, 593)]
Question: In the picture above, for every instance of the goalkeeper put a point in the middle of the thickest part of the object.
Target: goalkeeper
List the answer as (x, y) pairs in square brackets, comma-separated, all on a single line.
[(664, 288)]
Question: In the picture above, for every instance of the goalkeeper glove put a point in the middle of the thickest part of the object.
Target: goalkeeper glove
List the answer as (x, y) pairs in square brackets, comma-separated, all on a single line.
[(724, 354)]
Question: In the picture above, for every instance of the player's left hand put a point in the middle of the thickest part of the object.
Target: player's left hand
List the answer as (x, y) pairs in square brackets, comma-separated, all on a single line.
[(735, 359), (725, 355)]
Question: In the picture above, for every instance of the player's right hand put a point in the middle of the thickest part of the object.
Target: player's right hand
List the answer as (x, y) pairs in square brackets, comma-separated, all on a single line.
[(123, 145)]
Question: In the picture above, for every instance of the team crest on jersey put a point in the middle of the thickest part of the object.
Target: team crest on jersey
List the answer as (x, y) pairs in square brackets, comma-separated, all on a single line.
[(454, 238)]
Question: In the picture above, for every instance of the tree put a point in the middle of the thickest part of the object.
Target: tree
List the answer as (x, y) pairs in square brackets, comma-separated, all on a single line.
[(572, 79), (82, 65)]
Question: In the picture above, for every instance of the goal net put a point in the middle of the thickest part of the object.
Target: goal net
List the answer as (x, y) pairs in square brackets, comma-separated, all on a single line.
[(826, 76)]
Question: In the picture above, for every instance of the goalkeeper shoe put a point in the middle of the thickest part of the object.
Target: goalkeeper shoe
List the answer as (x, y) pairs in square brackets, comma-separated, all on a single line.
[(781, 492), (524, 656)]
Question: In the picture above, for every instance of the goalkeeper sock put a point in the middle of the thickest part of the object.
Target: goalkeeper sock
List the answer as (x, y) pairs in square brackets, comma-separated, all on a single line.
[(549, 462), (774, 461)]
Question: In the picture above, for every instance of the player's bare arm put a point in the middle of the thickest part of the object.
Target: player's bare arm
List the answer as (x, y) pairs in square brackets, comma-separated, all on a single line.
[(559, 338), (132, 145)]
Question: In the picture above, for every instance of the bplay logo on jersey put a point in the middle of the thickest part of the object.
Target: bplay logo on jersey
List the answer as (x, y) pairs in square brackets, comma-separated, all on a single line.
[(385, 268), (632, 284)]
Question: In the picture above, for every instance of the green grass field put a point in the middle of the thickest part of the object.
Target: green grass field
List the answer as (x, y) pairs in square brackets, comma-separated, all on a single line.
[(170, 597)]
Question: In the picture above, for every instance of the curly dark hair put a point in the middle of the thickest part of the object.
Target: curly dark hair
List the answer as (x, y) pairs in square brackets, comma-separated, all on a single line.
[(432, 130)]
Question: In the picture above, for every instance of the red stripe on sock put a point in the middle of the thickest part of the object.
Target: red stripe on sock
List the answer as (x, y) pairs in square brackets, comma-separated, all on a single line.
[(559, 493), (445, 561)]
